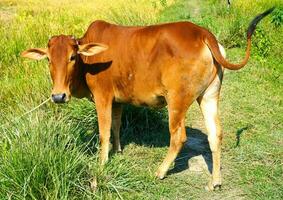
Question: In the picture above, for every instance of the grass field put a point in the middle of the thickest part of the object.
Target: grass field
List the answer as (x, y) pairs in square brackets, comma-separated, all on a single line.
[(51, 153)]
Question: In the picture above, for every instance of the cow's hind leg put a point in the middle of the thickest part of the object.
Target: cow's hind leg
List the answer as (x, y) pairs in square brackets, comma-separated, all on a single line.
[(177, 111), (209, 107), (116, 124)]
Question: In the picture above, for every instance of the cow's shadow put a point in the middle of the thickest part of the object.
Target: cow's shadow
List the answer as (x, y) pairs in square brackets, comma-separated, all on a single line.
[(147, 127), (197, 149)]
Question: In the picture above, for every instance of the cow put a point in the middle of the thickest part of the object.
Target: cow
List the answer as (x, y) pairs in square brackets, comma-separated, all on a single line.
[(170, 64)]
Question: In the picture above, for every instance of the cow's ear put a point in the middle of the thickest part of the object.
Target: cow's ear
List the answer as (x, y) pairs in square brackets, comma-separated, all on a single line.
[(91, 49), (36, 53)]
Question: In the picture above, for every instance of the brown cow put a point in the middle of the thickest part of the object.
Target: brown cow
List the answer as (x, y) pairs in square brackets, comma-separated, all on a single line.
[(173, 64)]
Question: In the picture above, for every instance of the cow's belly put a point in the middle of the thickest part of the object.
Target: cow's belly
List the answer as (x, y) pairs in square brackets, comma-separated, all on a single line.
[(153, 100), (140, 90)]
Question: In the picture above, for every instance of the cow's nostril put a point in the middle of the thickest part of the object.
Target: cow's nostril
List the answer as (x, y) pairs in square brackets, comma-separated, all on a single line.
[(63, 96), (59, 98)]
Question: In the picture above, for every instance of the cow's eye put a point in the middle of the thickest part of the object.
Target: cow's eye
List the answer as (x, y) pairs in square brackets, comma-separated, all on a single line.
[(73, 57)]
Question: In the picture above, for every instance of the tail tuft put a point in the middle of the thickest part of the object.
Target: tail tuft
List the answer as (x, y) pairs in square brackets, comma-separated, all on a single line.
[(255, 21)]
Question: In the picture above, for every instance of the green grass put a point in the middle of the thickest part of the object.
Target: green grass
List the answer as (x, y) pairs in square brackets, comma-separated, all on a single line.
[(52, 152)]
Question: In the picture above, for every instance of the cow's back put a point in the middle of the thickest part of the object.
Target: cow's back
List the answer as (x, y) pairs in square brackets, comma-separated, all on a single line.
[(143, 59)]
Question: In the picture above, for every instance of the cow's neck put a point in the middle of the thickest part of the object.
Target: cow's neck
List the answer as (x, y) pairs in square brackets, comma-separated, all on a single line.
[(79, 87)]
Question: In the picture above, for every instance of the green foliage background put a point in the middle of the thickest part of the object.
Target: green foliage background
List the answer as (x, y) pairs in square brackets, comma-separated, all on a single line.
[(52, 152)]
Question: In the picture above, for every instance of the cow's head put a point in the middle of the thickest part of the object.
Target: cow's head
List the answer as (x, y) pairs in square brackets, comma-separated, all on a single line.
[(63, 55)]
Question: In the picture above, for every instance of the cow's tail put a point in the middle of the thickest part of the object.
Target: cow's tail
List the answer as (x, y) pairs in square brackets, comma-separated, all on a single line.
[(212, 43)]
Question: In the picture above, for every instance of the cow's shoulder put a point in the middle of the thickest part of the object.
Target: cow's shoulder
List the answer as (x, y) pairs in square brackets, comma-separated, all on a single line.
[(95, 29), (98, 25)]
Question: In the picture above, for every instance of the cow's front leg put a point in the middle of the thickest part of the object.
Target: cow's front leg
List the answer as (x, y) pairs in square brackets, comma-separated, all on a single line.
[(104, 109)]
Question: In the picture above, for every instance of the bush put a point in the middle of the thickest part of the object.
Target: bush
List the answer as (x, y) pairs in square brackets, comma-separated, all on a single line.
[(277, 17), (262, 43)]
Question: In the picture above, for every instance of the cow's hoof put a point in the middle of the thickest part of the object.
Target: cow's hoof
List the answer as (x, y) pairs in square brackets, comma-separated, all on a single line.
[(103, 161), (160, 174), (213, 187), (118, 151), (217, 187)]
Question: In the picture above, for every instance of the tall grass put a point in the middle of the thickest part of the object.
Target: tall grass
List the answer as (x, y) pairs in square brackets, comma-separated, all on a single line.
[(52, 152)]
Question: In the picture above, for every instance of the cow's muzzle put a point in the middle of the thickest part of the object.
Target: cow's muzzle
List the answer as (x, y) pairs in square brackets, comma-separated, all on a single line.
[(59, 98)]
